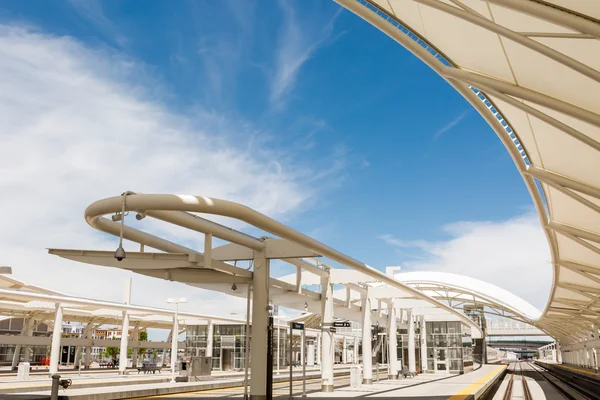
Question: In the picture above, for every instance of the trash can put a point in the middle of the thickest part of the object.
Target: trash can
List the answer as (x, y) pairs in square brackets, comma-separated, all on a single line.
[(200, 366), (23, 371), (355, 376)]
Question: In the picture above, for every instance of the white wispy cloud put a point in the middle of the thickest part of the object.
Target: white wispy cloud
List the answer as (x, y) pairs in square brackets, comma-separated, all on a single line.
[(451, 124), (512, 254), (297, 44), (92, 10), (75, 127)]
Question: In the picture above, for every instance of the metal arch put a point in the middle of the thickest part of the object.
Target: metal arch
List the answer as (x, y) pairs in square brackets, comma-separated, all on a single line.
[(514, 36), (477, 298), (483, 82), (366, 12), (552, 13), (546, 118), (424, 50), (164, 202)]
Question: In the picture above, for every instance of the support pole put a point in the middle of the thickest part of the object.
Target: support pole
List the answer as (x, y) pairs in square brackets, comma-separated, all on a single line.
[(174, 339), (209, 340), (319, 349), (164, 352), (29, 333), (344, 344), (366, 341), (125, 330), (27, 321), (423, 344), (79, 349), (392, 343), (134, 354), (260, 322), (327, 345), (246, 342), (412, 366), (355, 355), (87, 360), (56, 335)]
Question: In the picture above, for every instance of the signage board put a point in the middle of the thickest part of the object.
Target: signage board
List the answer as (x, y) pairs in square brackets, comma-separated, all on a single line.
[(332, 329), (298, 325), (342, 324)]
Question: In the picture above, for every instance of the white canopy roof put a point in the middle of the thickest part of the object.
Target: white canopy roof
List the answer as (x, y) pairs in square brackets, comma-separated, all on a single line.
[(531, 68), (463, 289), (18, 299)]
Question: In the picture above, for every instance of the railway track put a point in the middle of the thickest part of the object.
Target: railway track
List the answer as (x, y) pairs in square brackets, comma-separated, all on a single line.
[(517, 388), (570, 387)]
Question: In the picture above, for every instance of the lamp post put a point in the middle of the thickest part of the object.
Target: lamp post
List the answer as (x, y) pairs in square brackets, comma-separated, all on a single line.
[(175, 335)]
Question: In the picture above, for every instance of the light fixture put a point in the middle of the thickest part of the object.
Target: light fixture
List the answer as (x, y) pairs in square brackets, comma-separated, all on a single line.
[(234, 287), (140, 215), (116, 217)]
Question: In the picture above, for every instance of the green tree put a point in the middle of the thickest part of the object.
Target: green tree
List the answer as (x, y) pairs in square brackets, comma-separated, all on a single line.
[(112, 352), (143, 337)]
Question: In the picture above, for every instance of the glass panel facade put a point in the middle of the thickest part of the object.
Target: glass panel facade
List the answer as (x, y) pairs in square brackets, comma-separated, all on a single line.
[(448, 346), (228, 345)]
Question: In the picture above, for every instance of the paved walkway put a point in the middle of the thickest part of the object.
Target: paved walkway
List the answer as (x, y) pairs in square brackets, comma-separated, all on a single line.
[(426, 386)]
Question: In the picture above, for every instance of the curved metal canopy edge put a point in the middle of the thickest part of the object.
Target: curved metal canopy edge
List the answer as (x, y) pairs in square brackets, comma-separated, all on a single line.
[(531, 68)]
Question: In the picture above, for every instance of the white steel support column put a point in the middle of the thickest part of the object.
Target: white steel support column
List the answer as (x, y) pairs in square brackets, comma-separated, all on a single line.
[(29, 333), (164, 352), (134, 354), (344, 347), (366, 341), (125, 331), (355, 355), (412, 366), (423, 344), (392, 342), (260, 325), (174, 340), (79, 349), (209, 339), (16, 355), (327, 345), (56, 335), (87, 360), (318, 350)]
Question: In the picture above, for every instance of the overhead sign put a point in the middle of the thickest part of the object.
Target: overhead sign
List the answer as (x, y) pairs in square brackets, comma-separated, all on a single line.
[(332, 329), (298, 325), (342, 324)]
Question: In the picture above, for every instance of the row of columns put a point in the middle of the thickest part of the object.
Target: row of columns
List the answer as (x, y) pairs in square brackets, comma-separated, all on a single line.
[(587, 357)]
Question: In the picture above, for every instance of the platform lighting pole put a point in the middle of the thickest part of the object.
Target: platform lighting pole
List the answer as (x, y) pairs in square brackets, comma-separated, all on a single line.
[(175, 335)]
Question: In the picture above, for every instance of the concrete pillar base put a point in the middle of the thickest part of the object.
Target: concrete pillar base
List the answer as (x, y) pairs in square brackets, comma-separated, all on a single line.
[(327, 388), (392, 377), (367, 381)]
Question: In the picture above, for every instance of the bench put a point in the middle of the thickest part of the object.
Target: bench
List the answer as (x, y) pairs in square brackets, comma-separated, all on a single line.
[(109, 364), (405, 372), (148, 367)]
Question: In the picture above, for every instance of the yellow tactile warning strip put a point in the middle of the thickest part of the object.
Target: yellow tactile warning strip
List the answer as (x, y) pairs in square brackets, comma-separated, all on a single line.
[(583, 371), (475, 386), (162, 396)]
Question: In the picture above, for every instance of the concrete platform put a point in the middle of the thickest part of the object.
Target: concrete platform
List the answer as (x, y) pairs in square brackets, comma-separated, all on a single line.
[(588, 372), (428, 386), (135, 389)]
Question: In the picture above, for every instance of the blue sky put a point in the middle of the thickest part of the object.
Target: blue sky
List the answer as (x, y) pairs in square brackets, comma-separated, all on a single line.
[(364, 147)]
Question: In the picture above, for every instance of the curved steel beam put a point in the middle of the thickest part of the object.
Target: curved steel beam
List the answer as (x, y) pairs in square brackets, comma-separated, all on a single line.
[(515, 37), (164, 202), (464, 89), (552, 14)]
